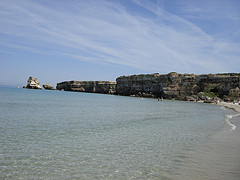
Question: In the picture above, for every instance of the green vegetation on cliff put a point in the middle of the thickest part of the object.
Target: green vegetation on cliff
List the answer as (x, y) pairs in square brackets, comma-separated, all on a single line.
[(209, 94)]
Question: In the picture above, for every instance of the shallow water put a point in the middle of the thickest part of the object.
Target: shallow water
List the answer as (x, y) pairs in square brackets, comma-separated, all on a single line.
[(67, 135), (218, 158)]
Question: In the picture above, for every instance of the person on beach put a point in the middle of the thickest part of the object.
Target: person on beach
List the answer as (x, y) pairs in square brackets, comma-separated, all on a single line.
[(216, 101)]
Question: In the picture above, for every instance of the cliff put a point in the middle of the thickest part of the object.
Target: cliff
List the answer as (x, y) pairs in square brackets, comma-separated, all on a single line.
[(170, 86), (177, 86), (105, 87)]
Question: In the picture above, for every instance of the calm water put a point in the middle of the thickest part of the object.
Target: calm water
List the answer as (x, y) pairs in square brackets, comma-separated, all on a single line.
[(69, 135)]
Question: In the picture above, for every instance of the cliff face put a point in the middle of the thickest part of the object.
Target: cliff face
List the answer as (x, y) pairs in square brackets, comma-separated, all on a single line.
[(106, 87), (170, 86), (218, 84), (176, 86), (150, 85)]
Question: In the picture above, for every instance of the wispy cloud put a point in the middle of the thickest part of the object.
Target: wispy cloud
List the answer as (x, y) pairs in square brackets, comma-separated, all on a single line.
[(108, 32)]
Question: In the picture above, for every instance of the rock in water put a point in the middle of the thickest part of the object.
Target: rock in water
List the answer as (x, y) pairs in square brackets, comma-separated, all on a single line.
[(33, 83), (48, 86)]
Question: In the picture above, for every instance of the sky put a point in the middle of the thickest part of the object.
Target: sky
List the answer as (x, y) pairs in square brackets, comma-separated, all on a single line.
[(62, 40)]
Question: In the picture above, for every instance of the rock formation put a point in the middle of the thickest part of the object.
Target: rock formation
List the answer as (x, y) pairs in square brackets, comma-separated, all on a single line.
[(105, 87), (190, 87), (33, 84), (234, 94), (178, 86), (48, 86)]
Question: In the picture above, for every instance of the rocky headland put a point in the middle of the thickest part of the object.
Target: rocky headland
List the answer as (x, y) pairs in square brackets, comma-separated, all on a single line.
[(188, 87), (105, 87)]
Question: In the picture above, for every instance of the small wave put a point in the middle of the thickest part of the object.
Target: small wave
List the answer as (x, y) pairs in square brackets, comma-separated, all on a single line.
[(227, 120)]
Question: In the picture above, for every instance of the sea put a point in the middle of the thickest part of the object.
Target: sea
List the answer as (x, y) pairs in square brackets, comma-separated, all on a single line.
[(72, 135)]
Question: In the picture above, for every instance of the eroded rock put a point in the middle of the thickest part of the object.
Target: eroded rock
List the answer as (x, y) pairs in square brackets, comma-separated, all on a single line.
[(32, 83), (48, 86)]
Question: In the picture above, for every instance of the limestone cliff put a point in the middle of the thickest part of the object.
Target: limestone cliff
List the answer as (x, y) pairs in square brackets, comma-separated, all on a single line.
[(176, 86), (106, 87), (171, 86)]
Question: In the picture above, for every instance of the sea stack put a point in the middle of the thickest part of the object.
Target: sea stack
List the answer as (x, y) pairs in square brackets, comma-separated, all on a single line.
[(33, 84), (48, 86)]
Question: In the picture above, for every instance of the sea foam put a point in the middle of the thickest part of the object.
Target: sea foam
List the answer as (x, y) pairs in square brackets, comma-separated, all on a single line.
[(230, 116)]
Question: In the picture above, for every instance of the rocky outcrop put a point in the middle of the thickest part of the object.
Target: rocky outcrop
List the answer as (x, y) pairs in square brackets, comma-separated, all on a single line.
[(140, 85), (234, 94), (48, 86), (177, 86), (190, 87), (33, 84), (106, 87)]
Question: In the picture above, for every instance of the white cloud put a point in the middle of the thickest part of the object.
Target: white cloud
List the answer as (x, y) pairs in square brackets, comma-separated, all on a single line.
[(106, 32)]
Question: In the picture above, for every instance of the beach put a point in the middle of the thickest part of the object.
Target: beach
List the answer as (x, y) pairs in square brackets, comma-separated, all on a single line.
[(219, 158), (235, 106)]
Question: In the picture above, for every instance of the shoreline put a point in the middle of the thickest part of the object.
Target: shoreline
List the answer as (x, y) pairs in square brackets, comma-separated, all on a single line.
[(216, 159), (235, 107)]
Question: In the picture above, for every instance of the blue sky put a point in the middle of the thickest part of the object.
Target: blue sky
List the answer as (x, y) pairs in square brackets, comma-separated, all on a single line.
[(58, 40)]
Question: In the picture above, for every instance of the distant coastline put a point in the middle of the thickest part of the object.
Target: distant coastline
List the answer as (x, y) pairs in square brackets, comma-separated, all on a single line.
[(208, 88)]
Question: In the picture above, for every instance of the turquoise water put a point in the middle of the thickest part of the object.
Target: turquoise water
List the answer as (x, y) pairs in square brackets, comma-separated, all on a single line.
[(70, 135)]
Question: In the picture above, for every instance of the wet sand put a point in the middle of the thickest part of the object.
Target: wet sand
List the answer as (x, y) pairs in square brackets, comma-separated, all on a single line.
[(235, 106), (217, 159)]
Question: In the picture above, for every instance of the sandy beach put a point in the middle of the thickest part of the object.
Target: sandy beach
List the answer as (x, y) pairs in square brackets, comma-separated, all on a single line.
[(235, 106)]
